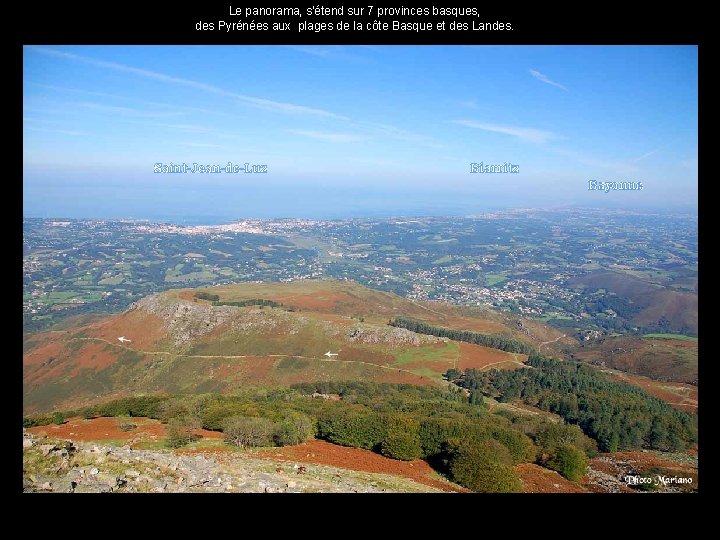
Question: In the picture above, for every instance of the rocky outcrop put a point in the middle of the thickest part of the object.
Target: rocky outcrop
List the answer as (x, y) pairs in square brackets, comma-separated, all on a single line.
[(185, 321), (73, 467), (390, 335)]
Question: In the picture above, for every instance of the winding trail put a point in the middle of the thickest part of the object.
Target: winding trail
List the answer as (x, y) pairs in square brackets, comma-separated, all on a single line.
[(551, 341), (518, 362), (418, 304)]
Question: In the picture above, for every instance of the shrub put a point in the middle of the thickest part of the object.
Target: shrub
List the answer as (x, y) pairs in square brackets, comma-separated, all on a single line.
[(569, 461), (38, 420), (550, 436), (496, 478), (483, 467), (351, 427), (214, 415), (435, 432), (402, 438), (181, 431), (476, 398), (521, 448), (452, 374), (172, 408), (58, 418), (133, 406), (244, 431), (294, 428), (203, 295)]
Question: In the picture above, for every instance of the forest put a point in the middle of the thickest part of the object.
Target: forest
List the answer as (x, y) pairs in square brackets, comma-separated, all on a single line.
[(464, 441), (618, 416), (502, 343)]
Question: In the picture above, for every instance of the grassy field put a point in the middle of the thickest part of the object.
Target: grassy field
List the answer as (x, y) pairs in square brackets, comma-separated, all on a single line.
[(200, 275), (113, 280), (61, 296), (447, 352), (494, 279), (443, 260)]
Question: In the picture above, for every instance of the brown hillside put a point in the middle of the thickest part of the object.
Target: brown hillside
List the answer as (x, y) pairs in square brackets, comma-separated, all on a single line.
[(178, 343), (654, 301), (661, 359)]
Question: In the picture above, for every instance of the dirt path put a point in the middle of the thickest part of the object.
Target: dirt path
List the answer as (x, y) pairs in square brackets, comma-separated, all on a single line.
[(551, 341), (239, 356), (443, 315), (504, 362)]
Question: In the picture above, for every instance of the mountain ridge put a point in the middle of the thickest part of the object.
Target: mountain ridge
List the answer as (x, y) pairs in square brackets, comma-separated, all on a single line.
[(179, 342)]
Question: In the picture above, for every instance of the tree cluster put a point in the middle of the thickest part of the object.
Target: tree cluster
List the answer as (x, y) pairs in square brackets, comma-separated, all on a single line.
[(493, 341), (618, 416)]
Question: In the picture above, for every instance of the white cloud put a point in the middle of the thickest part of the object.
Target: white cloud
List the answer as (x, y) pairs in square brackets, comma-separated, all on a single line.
[(39, 120), (200, 145), (123, 98), (394, 132), (541, 77), (313, 51), (619, 167), (327, 136), (269, 104), (127, 111), (187, 128), (647, 155), (59, 131), (522, 133), (335, 52)]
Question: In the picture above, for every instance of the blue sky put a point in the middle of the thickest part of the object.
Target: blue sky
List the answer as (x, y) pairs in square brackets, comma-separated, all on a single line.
[(352, 131)]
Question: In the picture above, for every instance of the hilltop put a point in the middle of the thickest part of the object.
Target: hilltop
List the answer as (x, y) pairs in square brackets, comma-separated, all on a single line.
[(196, 341), (180, 342)]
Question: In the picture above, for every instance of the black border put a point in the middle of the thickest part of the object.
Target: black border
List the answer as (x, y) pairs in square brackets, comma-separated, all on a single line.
[(134, 22), (148, 22)]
